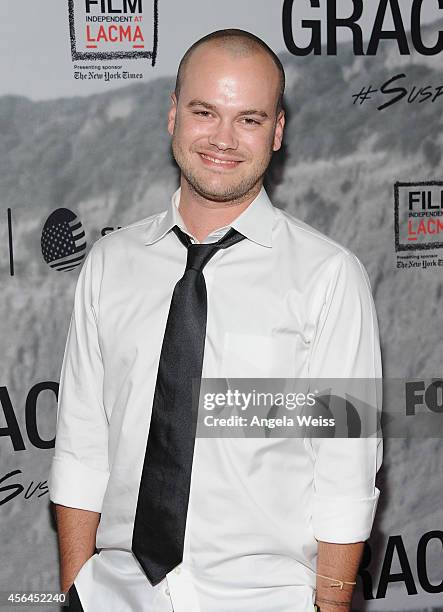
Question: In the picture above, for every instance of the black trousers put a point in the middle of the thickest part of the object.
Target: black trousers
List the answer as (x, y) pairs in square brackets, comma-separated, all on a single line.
[(74, 601)]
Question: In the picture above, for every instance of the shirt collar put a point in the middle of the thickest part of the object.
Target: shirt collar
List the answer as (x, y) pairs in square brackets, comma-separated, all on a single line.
[(255, 222)]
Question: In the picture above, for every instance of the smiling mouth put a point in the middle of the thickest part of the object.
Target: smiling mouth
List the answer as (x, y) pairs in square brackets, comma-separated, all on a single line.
[(221, 163)]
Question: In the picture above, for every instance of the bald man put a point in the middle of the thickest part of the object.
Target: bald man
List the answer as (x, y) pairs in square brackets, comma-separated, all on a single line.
[(221, 285)]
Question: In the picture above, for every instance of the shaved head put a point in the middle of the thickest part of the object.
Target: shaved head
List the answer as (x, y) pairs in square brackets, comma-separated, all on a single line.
[(238, 44)]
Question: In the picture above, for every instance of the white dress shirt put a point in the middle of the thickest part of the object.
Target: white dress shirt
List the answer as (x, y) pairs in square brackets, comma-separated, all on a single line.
[(285, 302)]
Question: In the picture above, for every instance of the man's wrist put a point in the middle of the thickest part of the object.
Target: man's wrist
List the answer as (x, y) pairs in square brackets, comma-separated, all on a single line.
[(327, 605)]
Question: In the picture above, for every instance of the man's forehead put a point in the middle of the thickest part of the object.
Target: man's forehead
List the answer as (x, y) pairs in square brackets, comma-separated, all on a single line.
[(231, 78)]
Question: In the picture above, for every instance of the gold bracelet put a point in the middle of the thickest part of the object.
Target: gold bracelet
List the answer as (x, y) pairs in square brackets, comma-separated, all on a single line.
[(340, 583)]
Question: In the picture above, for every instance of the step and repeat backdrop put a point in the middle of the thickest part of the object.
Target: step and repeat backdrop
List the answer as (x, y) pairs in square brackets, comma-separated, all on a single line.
[(84, 150)]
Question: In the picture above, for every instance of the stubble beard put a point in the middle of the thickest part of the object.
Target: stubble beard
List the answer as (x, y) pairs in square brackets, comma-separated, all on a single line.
[(234, 192)]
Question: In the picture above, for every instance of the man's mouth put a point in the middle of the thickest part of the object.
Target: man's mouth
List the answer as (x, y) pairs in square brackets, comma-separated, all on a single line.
[(219, 162)]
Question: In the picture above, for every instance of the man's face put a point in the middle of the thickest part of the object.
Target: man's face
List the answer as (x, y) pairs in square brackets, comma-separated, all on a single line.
[(225, 125)]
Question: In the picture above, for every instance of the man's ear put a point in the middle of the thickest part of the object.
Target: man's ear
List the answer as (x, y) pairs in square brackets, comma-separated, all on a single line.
[(172, 114), (279, 128)]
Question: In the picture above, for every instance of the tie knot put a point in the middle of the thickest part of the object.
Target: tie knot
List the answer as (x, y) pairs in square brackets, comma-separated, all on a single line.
[(200, 254)]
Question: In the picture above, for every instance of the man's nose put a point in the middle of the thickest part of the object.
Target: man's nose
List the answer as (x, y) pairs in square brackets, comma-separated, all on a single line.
[(223, 136)]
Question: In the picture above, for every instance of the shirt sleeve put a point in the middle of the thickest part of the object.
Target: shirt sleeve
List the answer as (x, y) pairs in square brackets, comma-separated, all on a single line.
[(346, 345), (79, 471)]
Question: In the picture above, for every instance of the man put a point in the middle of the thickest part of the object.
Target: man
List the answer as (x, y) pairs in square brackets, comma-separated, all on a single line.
[(264, 525)]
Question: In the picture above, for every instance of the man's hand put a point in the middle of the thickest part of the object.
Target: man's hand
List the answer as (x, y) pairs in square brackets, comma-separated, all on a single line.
[(339, 561), (76, 531)]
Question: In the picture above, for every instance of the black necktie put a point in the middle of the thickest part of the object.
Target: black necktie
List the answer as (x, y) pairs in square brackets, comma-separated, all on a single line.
[(162, 506)]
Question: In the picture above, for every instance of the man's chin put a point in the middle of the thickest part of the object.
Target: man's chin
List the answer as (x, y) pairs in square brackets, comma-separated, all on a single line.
[(218, 197), (220, 194)]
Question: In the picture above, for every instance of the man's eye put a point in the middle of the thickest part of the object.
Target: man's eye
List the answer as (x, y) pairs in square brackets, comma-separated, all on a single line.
[(250, 121), (202, 113)]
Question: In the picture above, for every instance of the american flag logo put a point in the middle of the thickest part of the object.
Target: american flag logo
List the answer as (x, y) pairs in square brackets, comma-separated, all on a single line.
[(63, 240)]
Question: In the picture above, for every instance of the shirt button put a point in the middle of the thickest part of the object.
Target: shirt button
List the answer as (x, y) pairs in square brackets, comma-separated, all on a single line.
[(177, 570), (167, 592)]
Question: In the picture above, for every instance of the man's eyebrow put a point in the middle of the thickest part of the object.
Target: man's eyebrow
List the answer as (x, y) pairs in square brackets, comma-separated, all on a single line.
[(254, 111), (196, 102), (249, 111)]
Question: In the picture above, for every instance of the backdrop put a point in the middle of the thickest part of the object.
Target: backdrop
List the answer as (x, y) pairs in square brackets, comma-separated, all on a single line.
[(84, 95)]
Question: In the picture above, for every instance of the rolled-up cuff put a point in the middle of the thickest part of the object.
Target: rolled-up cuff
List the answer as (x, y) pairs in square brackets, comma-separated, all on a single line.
[(343, 520), (74, 484)]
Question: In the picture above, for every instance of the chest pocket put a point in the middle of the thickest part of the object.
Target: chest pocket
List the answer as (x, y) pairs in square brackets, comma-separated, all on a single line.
[(248, 355)]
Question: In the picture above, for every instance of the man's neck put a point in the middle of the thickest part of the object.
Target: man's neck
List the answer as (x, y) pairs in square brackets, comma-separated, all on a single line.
[(202, 216)]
